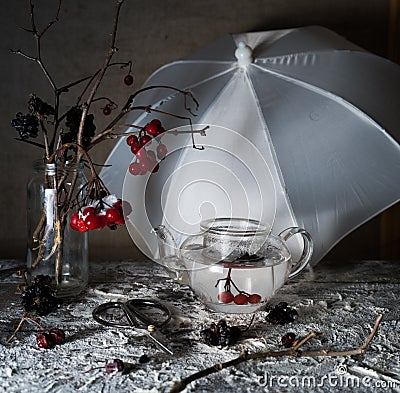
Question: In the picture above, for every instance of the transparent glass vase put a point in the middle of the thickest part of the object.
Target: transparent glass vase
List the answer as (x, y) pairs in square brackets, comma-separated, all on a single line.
[(54, 248)]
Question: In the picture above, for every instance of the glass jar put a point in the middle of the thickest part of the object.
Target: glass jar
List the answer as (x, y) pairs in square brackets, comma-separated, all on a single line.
[(54, 248)]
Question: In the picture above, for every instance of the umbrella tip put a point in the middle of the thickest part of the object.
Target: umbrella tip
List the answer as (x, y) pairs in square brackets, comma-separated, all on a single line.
[(243, 54)]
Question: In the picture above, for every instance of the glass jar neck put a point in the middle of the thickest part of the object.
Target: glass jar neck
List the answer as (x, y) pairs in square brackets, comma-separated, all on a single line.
[(51, 169)]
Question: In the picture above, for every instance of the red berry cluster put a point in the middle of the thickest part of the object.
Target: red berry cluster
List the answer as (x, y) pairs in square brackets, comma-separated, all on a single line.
[(50, 338), (240, 299), (146, 159), (102, 213)]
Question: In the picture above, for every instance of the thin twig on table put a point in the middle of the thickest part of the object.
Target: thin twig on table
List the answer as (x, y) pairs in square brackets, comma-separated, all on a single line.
[(179, 386)]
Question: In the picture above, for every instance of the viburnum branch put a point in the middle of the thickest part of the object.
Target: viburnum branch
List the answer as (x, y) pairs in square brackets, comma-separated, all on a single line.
[(126, 108), (90, 80), (111, 50), (81, 149), (179, 386), (25, 318), (38, 37), (51, 23), (147, 108)]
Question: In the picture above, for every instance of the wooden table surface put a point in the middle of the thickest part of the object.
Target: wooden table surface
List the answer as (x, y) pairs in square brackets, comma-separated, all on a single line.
[(341, 300)]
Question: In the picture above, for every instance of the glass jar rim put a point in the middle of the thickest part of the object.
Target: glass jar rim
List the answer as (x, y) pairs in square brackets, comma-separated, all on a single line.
[(234, 226), (40, 164)]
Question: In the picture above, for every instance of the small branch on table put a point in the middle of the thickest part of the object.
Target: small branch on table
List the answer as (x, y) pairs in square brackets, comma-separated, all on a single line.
[(179, 386), (25, 318)]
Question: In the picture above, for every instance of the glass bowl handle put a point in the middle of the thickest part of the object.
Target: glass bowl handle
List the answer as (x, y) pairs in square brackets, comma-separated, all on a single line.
[(307, 248)]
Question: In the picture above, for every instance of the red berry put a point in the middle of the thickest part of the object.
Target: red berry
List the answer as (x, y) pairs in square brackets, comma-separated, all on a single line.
[(161, 151), (81, 225), (92, 221), (58, 335), (106, 110), (113, 216), (145, 165), (103, 221), (73, 221), (141, 154), (134, 168), (241, 298), (152, 156), (144, 140), (128, 80), (225, 297), (254, 298), (45, 340), (135, 149), (118, 204), (88, 210), (132, 140), (156, 122), (288, 339), (161, 130), (152, 129)]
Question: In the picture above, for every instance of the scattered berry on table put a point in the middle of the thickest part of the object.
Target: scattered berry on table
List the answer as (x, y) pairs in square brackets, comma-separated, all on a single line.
[(48, 339), (45, 340), (144, 359), (282, 314), (58, 335), (221, 334), (288, 339), (115, 366)]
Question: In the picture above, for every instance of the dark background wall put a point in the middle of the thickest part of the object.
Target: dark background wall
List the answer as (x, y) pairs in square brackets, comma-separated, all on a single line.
[(152, 33)]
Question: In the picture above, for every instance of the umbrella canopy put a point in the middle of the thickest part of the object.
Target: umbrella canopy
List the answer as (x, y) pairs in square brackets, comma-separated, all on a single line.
[(304, 131)]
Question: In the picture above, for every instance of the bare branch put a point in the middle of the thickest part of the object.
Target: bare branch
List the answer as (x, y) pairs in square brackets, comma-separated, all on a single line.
[(111, 50), (179, 386), (51, 23)]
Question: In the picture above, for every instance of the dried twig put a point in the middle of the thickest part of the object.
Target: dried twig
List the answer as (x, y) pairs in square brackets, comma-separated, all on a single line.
[(25, 318), (179, 386)]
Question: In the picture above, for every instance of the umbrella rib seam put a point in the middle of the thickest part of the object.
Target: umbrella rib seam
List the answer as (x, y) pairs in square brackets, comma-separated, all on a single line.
[(272, 149)]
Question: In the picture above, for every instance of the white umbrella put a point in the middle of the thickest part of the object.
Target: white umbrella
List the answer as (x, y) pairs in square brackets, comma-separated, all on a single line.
[(310, 116)]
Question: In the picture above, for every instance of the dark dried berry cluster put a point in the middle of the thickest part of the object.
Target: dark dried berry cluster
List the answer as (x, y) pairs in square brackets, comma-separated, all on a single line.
[(221, 334), (144, 359), (26, 125), (282, 314), (49, 339), (72, 121), (39, 296), (38, 107)]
